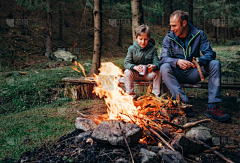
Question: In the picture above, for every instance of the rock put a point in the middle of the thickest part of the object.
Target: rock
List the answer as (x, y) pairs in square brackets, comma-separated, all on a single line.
[(122, 160), (189, 146), (199, 133), (171, 156), (109, 132), (155, 149), (82, 137), (62, 55), (85, 124), (148, 156)]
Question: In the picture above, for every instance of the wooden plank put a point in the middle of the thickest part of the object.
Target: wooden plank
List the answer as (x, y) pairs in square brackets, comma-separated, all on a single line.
[(83, 80)]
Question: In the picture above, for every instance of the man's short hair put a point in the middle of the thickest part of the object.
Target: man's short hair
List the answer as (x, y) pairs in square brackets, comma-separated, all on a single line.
[(142, 29), (180, 14)]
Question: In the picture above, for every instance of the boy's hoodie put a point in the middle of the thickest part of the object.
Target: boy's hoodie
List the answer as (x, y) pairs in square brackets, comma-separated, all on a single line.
[(137, 55)]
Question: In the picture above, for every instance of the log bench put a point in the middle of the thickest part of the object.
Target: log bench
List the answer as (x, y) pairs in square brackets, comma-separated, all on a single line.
[(81, 88)]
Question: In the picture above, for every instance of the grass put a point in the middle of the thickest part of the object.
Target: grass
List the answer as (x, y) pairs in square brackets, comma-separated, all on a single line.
[(26, 130), (38, 87)]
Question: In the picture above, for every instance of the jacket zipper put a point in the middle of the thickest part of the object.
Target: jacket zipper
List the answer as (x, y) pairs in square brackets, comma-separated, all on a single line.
[(184, 52)]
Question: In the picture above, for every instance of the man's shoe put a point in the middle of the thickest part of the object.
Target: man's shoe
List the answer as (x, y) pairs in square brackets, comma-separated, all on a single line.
[(217, 113)]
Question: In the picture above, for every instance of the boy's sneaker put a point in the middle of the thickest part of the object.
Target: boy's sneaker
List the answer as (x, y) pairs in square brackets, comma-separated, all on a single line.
[(217, 113)]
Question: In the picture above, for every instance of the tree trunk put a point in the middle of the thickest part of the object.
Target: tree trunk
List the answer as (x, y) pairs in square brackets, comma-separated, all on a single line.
[(120, 35), (48, 35), (233, 32), (204, 25), (191, 11), (135, 5), (163, 20), (12, 56), (97, 37), (217, 35), (60, 21), (141, 12), (170, 7), (225, 32)]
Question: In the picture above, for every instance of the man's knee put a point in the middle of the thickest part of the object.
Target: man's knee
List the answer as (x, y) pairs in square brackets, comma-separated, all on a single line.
[(215, 64), (128, 72), (165, 68)]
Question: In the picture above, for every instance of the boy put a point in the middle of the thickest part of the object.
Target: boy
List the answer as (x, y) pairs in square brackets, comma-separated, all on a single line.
[(142, 52)]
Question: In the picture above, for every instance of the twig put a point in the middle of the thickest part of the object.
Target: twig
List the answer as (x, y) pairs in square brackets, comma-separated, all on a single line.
[(81, 114), (189, 125), (184, 127), (163, 140), (214, 151), (124, 132)]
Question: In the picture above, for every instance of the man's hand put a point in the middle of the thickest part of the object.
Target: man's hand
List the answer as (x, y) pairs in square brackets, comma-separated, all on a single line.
[(184, 64), (151, 67), (138, 68)]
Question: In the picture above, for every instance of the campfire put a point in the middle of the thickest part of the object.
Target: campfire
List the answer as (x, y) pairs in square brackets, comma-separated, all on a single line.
[(149, 119)]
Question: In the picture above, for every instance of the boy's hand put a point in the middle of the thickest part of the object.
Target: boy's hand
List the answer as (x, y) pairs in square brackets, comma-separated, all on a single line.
[(138, 68), (151, 68)]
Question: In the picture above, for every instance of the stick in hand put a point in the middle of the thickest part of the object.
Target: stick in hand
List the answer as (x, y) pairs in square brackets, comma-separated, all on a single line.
[(198, 68)]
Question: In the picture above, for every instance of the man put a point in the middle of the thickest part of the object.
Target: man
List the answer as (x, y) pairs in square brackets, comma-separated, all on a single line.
[(180, 45)]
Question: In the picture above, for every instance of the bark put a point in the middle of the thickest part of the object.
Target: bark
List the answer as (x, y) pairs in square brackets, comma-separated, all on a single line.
[(233, 32), (135, 5), (48, 35), (225, 32), (217, 35), (12, 56), (204, 25), (141, 12), (170, 7), (191, 11), (163, 20), (97, 36), (120, 35), (60, 21)]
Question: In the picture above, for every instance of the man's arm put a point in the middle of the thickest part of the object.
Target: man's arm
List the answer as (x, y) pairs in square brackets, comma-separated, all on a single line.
[(166, 53), (206, 49)]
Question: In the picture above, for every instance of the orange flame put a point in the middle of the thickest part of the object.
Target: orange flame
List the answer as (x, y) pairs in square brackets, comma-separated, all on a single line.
[(81, 67), (119, 103)]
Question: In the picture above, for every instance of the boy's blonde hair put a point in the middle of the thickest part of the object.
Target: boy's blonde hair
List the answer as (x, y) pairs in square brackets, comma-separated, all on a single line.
[(142, 29)]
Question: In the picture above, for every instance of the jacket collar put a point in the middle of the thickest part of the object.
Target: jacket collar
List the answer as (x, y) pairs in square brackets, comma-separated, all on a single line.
[(135, 44), (193, 30)]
